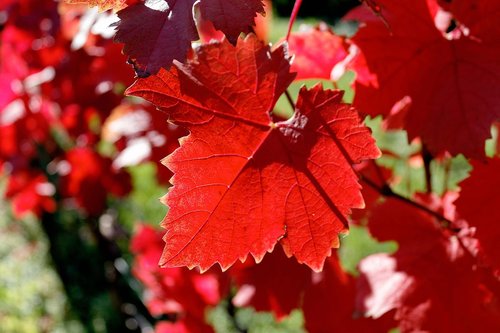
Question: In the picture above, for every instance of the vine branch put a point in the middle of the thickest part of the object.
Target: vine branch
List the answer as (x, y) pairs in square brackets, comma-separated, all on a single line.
[(290, 100), (387, 191)]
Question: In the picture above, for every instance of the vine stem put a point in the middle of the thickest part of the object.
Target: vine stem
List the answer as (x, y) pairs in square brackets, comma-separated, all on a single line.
[(386, 191), (290, 100), (293, 16), (427, 159)]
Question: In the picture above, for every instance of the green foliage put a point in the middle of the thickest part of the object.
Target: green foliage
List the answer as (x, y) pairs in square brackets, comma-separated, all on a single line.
[(248, 320), (32, 298)]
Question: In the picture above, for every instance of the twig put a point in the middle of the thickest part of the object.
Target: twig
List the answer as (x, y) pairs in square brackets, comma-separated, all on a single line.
[(290, 100), (427, 159), (231, 310), (386, 191), (293, 16)]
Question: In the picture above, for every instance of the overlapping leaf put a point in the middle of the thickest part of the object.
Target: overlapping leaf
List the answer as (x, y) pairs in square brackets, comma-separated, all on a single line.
[(432, 283), (478, 204), (182, 295), (451, 76), (327, 298), (241, 181), (158, 31)]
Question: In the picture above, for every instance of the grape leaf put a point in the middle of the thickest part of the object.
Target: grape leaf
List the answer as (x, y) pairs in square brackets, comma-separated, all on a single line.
[(330, 300), (478, 203), (158, 31), (276, 284), (280, 285), (431, 283), (231, 17), (476, 16), (451, 77), (177, 293), (155, 33), (241, 181)]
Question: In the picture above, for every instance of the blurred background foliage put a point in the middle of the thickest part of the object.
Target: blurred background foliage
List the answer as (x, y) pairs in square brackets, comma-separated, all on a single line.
[(49, 279)]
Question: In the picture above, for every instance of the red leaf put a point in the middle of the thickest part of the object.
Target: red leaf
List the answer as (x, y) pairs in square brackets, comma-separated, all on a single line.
[(243, 182), (329, 304), (178, 292), (157, 32), (316, 51), (30, 192), (276, 284), (451, 78), (432, 283), (279, 284), (232, 17), (476, 16), (90, 178), (478, 204)]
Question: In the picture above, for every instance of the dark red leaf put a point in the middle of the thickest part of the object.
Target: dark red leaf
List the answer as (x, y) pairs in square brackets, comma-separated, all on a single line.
[(329, 304), (478, 204), (157, 32), (276, 284), (232, 17), (432, 283), (182, 294), (279, 284), (451, 77)]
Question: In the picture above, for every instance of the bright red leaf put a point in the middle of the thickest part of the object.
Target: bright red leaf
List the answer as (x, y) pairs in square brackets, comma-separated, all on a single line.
[(157, 32), (478, 204), (451, 77), (243, 182)]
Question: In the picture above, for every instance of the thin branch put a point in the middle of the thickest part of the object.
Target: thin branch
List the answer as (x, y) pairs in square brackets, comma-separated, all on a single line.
[(386, 191), (293, 16), (427, 159), (290, 99), (231, 310), (378, 171)]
